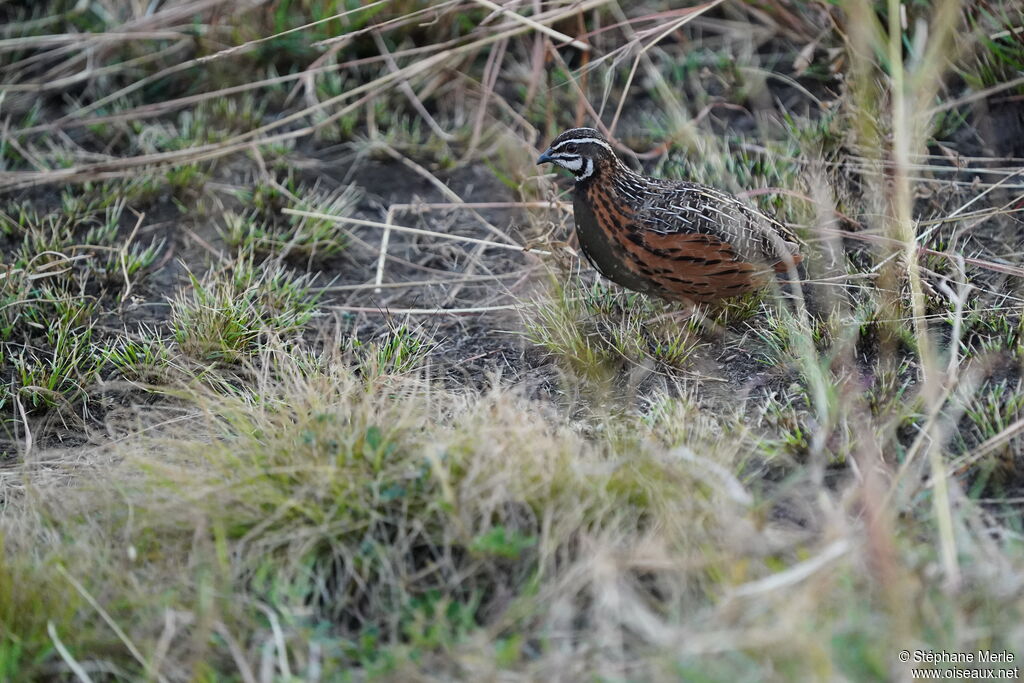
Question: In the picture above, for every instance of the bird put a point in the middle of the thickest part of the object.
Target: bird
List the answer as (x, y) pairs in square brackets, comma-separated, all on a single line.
[(678, 240)]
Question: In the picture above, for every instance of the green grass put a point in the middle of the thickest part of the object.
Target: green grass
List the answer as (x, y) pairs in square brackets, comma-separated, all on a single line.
[(399, 351), (263, 230), (227, 314), (228, 451), (594, 330), (1000, 50), (143, 358)]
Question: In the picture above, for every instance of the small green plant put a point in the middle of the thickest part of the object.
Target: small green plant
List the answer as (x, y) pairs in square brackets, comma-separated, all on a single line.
[(435, 621), (555, 325), (988, 330), (225, 314), (401, 350), (46, 334), (62, 374), (132, 260), (593, 329), (996, 407), (185, 177), (998, 55), (502, 542), (83, 240), (788, 417), (92, 197), (144, 357), (265, 230)]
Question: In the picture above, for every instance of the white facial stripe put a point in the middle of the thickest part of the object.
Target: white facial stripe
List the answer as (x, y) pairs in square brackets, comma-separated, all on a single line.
[(574, 164), (586, 172), (580, 141)]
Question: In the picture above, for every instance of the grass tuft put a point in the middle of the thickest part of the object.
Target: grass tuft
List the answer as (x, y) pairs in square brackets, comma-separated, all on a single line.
[(227, 313), (593, 329)]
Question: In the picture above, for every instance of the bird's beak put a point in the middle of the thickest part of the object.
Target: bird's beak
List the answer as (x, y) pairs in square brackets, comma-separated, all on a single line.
[(544, 158)]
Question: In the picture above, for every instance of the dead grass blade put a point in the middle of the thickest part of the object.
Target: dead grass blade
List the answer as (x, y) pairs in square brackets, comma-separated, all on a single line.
[(414, 231)]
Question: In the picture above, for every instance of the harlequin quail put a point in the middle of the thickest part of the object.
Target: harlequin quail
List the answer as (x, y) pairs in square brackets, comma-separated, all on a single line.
[(674, 239)]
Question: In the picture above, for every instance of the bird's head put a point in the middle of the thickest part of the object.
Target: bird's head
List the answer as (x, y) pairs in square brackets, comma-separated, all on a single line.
[(583, 151)]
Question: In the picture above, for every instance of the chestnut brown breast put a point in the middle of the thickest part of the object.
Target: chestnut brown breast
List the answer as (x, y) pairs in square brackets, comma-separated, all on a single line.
[(679, 241)]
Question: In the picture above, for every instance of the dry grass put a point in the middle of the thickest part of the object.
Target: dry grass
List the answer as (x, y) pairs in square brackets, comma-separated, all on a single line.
[(300, 380)]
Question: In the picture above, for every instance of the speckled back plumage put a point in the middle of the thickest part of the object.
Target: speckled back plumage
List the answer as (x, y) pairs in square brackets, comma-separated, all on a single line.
[(675, 239)]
